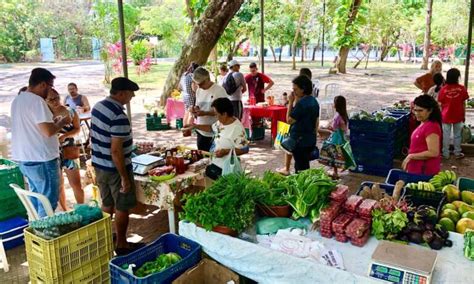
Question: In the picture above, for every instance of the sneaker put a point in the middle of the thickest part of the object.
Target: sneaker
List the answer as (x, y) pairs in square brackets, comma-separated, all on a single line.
[(459, 156), (283, 171)]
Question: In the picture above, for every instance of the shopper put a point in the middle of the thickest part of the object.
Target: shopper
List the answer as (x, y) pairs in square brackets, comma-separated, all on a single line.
[(68, 148), (34, 143), (206, 93), (240, 87), (303, 112), (424, 154), (229, 133), (222, 73), (256, 83), (305, 72), (438, 79), (425, 82), (188, 92), (452, 98), (112, 145), (76, 101)]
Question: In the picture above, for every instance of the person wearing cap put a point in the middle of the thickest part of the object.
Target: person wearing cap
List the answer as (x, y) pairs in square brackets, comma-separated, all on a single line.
[(236, 97), (111, 139), (35, 145), (206, 93), (256, 83)]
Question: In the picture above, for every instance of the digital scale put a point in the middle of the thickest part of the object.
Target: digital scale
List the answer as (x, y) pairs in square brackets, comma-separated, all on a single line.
[(143, 163), (402, 264)]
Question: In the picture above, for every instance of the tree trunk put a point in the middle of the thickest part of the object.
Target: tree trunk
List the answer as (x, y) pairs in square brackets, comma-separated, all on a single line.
[(342, 59), (273, 53), (303, 50), (344, 50), (368, 56), (313, 57), (426, 45), (384, 51), (279, 55), (297, 33), (201, 40), (235, 48), (214, 58)]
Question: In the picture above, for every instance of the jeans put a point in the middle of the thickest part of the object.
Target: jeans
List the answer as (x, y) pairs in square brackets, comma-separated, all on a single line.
[(43, 178), (457, 130)]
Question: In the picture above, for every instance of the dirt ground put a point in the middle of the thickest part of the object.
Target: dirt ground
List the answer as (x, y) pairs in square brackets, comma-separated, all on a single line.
[(379, 86)]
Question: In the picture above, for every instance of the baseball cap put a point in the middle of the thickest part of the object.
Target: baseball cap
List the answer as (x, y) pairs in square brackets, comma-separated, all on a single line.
[(232, 63), (200, 75), (124, 84)]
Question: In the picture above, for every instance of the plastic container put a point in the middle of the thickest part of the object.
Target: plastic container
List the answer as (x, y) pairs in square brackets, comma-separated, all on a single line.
[(189, 251), (423, 197), (53, 259), (10, 175), (465, 183), (12, 229), (396, 174), (372, 126), (258, 133), (11, 206), (373, 170), (96, 271)]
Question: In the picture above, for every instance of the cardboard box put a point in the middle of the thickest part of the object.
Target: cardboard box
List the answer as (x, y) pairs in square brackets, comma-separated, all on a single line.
[(208, 272)]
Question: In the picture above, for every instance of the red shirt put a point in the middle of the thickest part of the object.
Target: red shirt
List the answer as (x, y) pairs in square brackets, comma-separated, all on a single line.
[(452, 98), (256, 84), (418, 144)]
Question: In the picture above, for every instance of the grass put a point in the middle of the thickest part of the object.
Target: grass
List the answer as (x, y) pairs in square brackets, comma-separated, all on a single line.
[(152, 81)]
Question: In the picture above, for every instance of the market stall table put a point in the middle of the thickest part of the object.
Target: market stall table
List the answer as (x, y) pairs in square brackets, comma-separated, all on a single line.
[(175, 109), (84, 119), (163, 194), (276, 113), (264, 265)]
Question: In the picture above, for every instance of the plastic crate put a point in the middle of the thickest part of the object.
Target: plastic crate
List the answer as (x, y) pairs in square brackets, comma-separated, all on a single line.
[(371, 149), (52, 259), (11, 175), (388, 188), (190, 252), (12, 229), (155, 124), (358, 137), (373, 159), (372, 126), (96, 271), (258, 133), (396, 174), (464, 183), (422, 197), (11, 206), (371, 170)]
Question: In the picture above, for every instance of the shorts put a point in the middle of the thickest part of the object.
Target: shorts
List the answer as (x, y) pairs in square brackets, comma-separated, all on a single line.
[(110, 184), (74, 164)]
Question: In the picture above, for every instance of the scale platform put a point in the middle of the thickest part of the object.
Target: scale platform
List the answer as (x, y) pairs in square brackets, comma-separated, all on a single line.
[(399, 263), (143, 163)]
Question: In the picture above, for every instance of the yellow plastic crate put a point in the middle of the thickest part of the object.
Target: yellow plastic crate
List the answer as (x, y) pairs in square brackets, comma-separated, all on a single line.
[(52, 259), (94, 272)]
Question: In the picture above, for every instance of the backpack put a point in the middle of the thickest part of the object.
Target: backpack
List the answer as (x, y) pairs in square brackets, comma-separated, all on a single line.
[(229, 84)]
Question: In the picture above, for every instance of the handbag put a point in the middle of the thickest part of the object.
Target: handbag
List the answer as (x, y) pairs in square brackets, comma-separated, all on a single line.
[(231, 164), (71, 152), (288, 145)]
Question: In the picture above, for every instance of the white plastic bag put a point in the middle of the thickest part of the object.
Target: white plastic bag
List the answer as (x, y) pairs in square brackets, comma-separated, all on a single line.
[(231, 164)]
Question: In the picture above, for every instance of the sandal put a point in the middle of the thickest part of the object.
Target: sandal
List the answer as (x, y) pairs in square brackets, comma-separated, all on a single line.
[(283, 171), (459, 156)]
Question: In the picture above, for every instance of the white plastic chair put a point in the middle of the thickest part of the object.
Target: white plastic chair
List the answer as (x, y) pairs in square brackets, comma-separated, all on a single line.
[(326, 101), (25, 195), (316, 85)]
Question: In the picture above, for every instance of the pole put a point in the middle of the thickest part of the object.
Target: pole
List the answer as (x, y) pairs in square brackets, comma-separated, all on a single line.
[(469, 46), (262, 55), (124, 51), (322, 47)]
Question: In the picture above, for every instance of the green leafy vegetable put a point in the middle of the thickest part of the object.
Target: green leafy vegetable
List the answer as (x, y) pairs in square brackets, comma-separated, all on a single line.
[(386, 226), (161, 263)]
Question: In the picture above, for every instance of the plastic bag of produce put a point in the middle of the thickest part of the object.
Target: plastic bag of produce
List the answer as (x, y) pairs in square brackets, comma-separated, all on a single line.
[(469, 244)]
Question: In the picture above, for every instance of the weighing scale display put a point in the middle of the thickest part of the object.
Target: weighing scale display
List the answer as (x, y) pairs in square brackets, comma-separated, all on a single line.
[(394, 275)]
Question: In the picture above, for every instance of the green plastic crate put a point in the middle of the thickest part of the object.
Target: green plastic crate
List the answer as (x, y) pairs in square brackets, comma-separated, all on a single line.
[(154, 124), (11, 205), (258, 133)]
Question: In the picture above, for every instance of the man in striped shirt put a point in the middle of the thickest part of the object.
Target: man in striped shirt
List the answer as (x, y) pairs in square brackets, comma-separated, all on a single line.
[(112, 142)]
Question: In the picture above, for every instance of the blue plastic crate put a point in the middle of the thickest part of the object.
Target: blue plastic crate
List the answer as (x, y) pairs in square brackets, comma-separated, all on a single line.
[(465, 183), (11, 232), (373, 160), (388, 188), (397, 174), (372, 170), (372, 126), (367, 137), (373, 149), (189, 251)]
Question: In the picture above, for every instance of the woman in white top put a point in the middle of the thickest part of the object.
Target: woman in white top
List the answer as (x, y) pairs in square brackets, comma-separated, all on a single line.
[(229, 133)]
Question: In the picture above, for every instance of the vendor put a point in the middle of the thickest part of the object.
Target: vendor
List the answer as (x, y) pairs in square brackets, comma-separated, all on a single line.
[(425, 82), (229, 133), (424, 154)]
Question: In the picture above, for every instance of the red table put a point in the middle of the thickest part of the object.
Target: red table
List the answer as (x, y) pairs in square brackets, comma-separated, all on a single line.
[(276, 113)]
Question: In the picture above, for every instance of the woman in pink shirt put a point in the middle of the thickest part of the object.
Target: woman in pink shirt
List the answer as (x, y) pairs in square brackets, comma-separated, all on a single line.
[(424, 154)]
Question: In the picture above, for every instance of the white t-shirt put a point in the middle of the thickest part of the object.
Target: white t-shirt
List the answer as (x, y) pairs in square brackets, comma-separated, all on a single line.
[(204, 99), (28, 143), (228, 137)]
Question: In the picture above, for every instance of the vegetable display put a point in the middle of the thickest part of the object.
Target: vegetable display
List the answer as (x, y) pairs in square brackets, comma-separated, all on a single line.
[(380, 116), (161, 263), (387, 225), (458, 214), (309, 192), (275, 189), (469, 244)]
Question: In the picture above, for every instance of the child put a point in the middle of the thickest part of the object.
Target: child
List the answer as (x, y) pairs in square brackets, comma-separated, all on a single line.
[(330, 154), (222, 72), (439, 82), (452, 98)]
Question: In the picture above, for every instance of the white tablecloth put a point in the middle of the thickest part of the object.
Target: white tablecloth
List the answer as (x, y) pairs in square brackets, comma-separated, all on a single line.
[(268, 266)]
